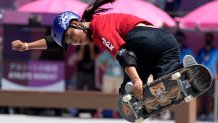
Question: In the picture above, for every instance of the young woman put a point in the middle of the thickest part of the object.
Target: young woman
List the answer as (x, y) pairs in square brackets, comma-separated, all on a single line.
[(140, 48)]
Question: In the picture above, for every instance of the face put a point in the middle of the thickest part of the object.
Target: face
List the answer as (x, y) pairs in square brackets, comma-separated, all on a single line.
[(76, 36)]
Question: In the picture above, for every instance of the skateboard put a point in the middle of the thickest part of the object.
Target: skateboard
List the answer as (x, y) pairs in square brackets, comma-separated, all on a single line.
[(166, 92)]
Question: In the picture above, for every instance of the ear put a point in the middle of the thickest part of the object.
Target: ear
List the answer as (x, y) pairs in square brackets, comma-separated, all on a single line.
[(75, 23)]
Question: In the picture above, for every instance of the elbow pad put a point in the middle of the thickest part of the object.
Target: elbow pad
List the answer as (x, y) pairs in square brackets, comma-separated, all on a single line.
[(51, 43), (126, 58)]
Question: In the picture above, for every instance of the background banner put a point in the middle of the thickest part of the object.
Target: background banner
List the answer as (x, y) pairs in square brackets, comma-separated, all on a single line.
[(33, 75)]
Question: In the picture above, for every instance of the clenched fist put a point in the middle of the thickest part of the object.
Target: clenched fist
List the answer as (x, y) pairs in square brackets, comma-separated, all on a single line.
[(19, 45)]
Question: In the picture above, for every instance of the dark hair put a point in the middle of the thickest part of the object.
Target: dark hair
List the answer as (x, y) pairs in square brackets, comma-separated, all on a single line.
[(94, 9)]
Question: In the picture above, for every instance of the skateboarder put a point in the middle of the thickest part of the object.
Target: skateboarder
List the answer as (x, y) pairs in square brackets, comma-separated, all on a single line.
[(140, 47)]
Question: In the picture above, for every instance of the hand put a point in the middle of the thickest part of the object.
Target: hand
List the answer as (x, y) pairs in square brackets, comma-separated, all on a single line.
[(18, 45), (138, 90)]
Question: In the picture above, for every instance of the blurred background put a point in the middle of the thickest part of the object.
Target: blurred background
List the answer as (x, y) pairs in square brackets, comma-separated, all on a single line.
[(51, 84)]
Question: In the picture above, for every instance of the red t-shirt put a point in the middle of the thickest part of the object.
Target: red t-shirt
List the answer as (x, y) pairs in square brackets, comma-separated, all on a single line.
[(109, 30)]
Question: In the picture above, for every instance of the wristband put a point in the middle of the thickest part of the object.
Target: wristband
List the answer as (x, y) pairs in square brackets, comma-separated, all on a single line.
[(27, 48)]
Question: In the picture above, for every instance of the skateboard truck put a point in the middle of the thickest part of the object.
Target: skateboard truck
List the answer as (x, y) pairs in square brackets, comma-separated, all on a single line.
[(135, 107), (183, 86)]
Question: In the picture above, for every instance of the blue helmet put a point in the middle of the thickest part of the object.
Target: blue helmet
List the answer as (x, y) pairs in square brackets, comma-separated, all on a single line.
[(61, 24)]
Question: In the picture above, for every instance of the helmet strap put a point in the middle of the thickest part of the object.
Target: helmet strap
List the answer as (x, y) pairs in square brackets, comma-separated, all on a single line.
[(84, 28)]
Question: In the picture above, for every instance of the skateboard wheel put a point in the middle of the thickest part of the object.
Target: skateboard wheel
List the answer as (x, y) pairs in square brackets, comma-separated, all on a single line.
[(176, 76), (188, 98), (127, 98), (140, 120)]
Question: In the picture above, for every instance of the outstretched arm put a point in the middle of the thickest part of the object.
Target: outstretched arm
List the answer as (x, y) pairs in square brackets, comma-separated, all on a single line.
[(22, 46), (44, 43)]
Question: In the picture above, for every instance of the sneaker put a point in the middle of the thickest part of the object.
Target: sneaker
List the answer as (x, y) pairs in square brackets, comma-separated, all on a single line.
[(188, 61), (129, 87)]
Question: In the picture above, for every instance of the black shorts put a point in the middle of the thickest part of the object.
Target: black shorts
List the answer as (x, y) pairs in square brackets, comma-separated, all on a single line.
[(157, 52)]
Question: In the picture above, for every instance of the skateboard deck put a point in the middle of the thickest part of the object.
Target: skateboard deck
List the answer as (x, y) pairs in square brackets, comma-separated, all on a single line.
[(168, 91)]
